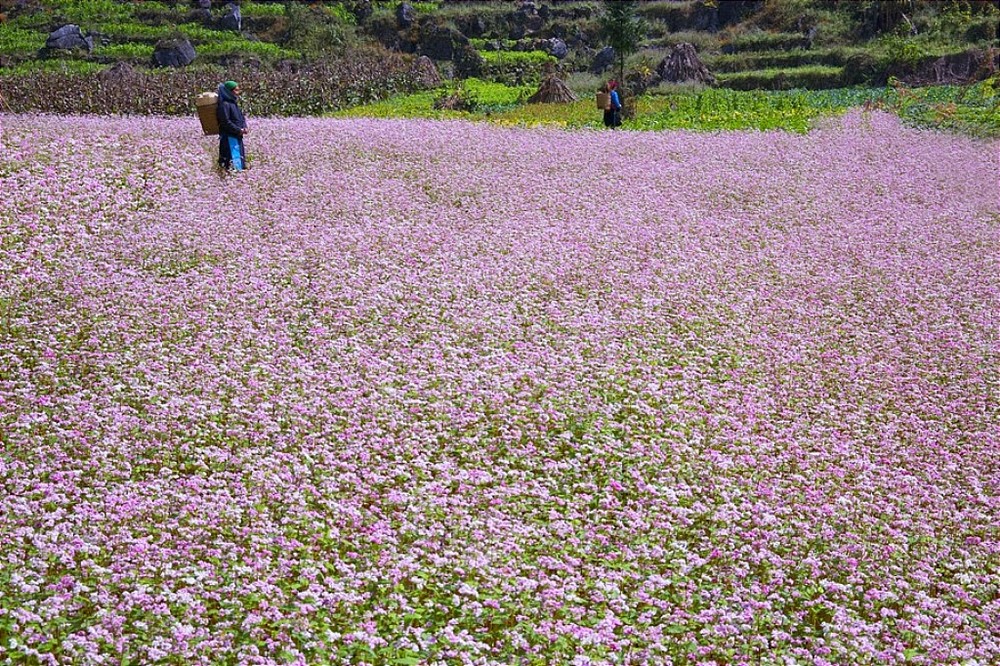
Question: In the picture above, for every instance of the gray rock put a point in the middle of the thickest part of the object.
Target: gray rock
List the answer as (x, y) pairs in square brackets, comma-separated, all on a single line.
[(173, 53), (468, 62), (557, 47), (424, 73), (232, 19), (602, 60), (69, 37), (440, 42), (406, 15), (363, 10)]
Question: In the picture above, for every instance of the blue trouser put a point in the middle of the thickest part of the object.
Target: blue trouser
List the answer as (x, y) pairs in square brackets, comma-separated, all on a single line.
[(231, 153)]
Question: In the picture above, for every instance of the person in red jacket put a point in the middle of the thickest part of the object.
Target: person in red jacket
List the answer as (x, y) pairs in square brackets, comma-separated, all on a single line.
[(232, 128)]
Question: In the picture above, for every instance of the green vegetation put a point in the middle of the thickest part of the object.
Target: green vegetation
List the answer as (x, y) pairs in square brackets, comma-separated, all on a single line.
[(623, 29), (257, 9), (517, 58), (475, 97), (974, 110), (749, 60), (814, 77), (707, 109), (62, 66), (89, 12), (125, 51), (778, 45), (243, 47), (18, 41)]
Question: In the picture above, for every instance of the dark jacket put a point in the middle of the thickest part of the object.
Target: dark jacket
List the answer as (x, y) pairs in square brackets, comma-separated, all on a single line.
[(231, 120)]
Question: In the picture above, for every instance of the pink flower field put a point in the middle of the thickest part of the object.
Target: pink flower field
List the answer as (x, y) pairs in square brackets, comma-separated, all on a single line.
[(416, 392)]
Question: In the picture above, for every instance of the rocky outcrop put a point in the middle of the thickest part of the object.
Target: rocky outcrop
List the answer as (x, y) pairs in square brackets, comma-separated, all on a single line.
[(602, 60), (69, 37), (439, 42), (424, 73), (176, 52), (406, 15), (231, 19)]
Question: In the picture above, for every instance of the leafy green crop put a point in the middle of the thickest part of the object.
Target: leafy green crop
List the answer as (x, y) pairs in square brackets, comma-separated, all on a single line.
[(87, 13), (812, 76), (255, 9), (125, 51), (515, 58), (20, 41)]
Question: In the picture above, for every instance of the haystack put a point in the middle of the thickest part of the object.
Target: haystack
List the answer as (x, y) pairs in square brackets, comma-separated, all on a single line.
[(683, 64), (552, 90)]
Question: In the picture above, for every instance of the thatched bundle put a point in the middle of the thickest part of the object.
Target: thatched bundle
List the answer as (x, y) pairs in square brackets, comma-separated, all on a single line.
[(552, 90), (683, 64)]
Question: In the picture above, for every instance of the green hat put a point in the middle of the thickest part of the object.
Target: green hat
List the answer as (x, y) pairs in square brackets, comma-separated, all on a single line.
[(230, 85)]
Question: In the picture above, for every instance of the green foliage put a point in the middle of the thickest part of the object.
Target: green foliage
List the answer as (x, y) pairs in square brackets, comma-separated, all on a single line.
[(317, 30), (87, 13), (530, 58), (749, 60), (130, 51), (515, 67), (815, 77), (426, 7), (261, 9), (32, 68), (676, 15), (16, 41), (720, 109), (133, 31), (245, 47), (482, 44), (973, 110), (468, 98), (902, 52)]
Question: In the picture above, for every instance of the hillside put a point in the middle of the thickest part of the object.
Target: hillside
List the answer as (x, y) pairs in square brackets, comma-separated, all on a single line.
[(746, 44)]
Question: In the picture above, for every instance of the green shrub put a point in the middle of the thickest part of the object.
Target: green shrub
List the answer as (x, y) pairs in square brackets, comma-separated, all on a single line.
[(315, 31), (864, 69), (515, 68), (983, 29)]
